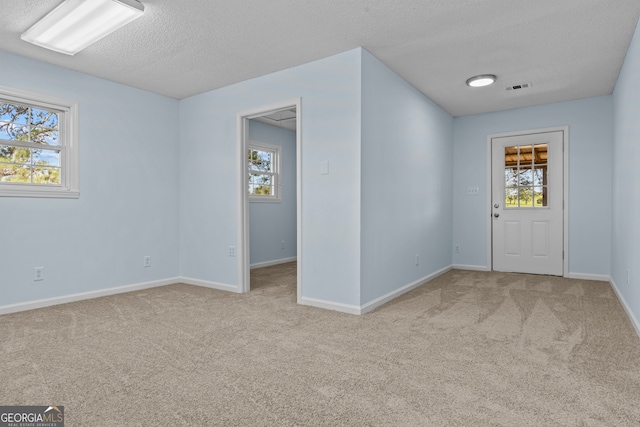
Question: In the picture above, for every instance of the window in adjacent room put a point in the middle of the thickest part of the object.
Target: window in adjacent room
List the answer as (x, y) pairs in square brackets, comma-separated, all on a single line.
[(38, 146), (263, 161)]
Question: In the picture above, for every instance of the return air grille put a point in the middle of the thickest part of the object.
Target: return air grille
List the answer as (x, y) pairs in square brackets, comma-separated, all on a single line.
[(518, 86)]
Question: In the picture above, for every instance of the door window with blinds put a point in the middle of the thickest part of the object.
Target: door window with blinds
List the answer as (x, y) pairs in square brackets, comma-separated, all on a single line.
[(525, 175)]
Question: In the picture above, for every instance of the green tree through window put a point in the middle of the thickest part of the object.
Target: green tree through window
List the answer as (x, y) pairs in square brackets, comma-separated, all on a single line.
[(29, 146), (263, 171)]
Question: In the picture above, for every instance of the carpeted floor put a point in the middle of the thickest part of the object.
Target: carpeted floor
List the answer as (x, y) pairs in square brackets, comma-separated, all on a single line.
[(469, 348)]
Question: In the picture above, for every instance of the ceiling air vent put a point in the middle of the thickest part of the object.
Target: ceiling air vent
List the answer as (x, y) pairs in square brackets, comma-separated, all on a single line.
[(519, 86)]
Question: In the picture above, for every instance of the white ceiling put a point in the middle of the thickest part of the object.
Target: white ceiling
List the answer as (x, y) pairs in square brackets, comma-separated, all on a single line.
[(567, 49)]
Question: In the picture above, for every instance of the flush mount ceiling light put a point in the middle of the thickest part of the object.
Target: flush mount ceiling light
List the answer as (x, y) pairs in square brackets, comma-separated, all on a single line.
[(482, 80), (75, 24)]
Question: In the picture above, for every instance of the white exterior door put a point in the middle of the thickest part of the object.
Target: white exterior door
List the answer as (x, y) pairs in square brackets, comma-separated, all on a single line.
[(527, 203)]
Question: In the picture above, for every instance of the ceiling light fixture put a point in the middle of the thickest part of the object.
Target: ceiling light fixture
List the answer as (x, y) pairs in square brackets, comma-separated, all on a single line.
[(76, 24), (482, 80)]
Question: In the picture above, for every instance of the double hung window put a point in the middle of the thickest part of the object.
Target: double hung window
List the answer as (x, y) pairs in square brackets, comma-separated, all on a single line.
[(38, 146), (263, 163)]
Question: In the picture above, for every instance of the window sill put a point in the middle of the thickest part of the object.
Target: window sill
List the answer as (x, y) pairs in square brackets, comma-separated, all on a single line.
[(264, 200), (59, 193)]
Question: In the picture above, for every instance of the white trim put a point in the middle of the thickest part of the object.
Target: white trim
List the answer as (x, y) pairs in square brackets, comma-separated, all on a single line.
[(627, 309), (583, 276), (470, 267), (488, 202), (565, 200), (273, 262), (242, 138), (299, 196), (25, 191), (264, 199), (565, 195), (208, 284), (330, 305), (31, 305), (372, 305), (242, 134)]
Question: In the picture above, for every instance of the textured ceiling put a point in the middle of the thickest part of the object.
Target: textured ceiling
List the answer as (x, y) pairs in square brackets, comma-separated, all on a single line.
[(567, 49)]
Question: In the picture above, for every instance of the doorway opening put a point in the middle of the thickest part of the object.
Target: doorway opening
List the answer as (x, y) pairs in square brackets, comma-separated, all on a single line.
[(268, 181), (527, 211)]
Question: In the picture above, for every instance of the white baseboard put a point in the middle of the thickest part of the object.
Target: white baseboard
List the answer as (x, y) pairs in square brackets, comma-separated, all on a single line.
[(330, 305), (372, 305), (31, 305), (208, 284), (582, 276), (274, 262), (471, 267), (627, 309)]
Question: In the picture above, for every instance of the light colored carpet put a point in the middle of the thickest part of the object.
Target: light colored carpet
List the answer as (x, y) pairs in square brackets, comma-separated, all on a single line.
[(467, 349)]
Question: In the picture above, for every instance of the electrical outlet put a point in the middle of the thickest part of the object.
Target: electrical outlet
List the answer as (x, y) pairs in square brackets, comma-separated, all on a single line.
[(232, 251), (417, 259), (628, 276), (282, 245), (38, 274), (457, 249), (147, 261)]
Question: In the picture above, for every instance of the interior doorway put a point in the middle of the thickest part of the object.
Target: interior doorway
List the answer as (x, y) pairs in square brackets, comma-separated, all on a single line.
[(527, 202), (260, 179)]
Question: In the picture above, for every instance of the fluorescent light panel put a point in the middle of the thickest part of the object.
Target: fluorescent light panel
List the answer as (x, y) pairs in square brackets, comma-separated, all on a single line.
[(76, 24)]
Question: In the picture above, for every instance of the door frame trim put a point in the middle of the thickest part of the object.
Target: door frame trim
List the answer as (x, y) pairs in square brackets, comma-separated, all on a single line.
[(565, 190), (242, 137)]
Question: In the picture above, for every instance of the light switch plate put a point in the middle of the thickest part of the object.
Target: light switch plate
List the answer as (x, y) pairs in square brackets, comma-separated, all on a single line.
[(324, 167)]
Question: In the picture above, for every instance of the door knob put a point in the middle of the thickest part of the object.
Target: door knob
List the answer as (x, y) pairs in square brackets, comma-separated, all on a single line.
[(496, 214), (496, 206)]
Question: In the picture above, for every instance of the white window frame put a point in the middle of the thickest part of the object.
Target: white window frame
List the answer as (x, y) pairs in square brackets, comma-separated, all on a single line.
[(276, 162), (67, 143)]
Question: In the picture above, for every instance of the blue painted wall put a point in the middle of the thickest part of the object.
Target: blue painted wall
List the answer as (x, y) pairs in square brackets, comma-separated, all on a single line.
[(165, 190), (590, 124), (330, 130), (625, 237), (270, 224), (406, 182), (128, 205)]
